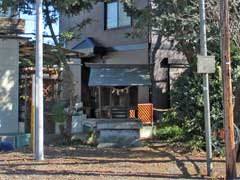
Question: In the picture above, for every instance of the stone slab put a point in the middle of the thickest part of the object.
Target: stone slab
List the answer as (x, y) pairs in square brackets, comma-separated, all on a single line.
[(23, 140), (147, 132), (120, 138), (77, 126)]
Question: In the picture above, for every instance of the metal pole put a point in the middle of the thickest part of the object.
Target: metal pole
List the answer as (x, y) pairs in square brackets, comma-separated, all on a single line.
[(39, 150), (227, 92), (203, 41)]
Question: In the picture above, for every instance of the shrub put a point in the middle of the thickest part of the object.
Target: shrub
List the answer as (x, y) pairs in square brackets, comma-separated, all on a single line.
[(187, 104), (187, 101), (169, 132)]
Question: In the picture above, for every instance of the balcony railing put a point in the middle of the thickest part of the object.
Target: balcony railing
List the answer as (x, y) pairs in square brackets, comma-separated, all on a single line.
[(11, 26)]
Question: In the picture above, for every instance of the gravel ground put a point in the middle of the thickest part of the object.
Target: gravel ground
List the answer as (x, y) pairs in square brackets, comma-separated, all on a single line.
[(158, 161)]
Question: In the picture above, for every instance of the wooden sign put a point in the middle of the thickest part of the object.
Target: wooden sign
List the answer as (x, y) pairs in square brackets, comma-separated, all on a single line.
[(206, 64)]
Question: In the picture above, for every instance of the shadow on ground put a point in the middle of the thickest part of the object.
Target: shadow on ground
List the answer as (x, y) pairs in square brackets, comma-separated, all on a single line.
[(158, 162)]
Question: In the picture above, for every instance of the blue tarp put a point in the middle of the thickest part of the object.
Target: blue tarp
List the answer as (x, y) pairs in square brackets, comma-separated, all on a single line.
[(6, 146)]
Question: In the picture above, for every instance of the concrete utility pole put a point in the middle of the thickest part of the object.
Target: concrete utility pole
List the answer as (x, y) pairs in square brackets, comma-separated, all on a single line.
[(203, 41), (39, 135), (227, 92)]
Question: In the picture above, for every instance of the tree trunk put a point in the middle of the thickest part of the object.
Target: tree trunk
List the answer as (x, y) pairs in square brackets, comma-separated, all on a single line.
[(62, 59)]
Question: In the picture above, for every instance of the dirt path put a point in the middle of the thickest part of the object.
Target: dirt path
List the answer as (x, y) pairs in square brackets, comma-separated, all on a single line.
[(81, 162)]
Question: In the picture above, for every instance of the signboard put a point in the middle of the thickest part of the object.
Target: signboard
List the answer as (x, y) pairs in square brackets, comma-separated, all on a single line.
[(206, 64)]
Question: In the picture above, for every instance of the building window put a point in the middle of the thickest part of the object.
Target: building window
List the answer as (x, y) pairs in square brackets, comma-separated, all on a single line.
[(116, 15)]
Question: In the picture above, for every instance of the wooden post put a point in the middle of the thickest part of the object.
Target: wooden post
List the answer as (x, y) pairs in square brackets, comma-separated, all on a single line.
[(25, 99), (227, 92), (110, 103), (33, 116), (128, 101), (99, 102)]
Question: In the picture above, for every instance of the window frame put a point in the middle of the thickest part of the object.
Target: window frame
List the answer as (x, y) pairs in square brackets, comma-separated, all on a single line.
[(118, 16)]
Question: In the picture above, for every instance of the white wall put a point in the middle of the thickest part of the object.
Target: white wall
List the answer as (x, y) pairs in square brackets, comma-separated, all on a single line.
[(9, 77)]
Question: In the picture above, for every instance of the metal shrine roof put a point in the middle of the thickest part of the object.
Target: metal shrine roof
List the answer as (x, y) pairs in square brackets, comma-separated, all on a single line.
[(119, 75)]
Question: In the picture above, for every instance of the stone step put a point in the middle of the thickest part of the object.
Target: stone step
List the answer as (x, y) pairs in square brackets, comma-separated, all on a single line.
[(135, 143), (118, 125), (117, 120), (121, 138)]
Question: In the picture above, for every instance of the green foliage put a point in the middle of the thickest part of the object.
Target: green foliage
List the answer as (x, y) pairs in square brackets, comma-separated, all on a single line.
[(58, 114), (92, 140), (52, 9), (196, 143), (24, 62), (169, 132), (75, 31), (218, 146), (187, 102), (178, 21), (67, 7), (188, 106)]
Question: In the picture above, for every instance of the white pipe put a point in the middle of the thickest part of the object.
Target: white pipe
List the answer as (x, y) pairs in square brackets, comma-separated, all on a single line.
[(39, 150)]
